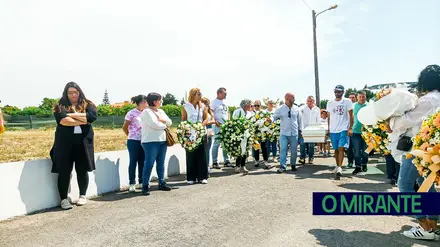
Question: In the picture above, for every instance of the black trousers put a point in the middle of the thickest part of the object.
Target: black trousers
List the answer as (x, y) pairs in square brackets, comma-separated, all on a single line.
[(256, 153), (240, 161), (77, 155), (196, 167)]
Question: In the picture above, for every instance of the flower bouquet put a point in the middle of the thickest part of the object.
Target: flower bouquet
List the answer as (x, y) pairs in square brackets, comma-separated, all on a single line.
[(237, 136), (392, 102), (427, 151), (265, 130), (190, 135), (376, 137)]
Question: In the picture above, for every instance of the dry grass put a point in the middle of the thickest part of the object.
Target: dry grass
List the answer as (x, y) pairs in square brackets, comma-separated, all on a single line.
[(36, 144)]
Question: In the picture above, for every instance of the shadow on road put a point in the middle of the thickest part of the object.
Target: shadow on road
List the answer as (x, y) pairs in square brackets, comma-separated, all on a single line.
[(339, 238)]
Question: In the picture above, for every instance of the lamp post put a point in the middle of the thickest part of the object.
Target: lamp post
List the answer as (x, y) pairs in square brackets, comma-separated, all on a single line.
[(315, 50)]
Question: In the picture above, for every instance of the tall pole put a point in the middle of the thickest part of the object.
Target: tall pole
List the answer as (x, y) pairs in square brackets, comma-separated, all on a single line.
[(315, 51)]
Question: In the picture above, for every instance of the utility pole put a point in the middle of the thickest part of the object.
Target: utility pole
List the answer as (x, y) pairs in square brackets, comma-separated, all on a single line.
[(315, 52)]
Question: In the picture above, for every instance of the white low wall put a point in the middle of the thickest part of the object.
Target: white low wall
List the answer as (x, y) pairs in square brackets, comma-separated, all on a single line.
[(29, 186)]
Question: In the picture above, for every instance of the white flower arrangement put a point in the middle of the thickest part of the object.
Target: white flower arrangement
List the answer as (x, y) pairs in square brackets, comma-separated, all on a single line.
[(190, 135), (236, 136), (265, 130)]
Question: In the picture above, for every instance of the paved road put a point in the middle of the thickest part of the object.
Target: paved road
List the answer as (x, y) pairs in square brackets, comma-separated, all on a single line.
[(260, 209)]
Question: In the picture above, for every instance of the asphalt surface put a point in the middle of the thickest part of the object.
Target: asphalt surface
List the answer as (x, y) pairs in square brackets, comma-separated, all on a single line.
[(262, 208)]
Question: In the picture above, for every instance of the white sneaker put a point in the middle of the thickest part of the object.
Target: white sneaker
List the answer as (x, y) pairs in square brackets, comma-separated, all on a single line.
[(418, 232), (190, 182), (65, 204), (81, 201), (205, 181), (132, 188), (335, 170), (338, 171)]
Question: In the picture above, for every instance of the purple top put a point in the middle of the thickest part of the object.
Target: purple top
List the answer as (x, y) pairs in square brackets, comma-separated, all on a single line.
[(135, 126)]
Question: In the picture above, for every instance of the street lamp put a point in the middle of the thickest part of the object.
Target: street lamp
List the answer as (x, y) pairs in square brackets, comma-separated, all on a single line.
[(315, 49)]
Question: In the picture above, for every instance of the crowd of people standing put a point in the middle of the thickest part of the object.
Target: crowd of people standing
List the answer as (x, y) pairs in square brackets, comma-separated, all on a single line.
[(147, 126)]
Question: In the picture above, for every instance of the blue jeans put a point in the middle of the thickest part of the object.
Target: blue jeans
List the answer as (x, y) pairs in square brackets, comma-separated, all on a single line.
[(409, 175), (272, 148), (284, 141), (154, 151), (350, 151), (137, 157), (216, 146), (359, 147), (208, 148), (303, 147)]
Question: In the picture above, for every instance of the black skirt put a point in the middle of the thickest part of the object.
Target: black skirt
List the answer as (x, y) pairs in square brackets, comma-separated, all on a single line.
[(196, 167)]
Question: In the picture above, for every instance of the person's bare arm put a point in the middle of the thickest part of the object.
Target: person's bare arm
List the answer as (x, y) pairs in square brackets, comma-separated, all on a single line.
[(125, 127), (68, 121), (82, 117), (205, 116), (350, 130), (184, 115)]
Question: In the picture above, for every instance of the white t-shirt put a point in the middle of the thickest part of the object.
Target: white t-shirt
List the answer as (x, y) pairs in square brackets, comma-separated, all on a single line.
[(339, 117), (220, 110), (323, 120), (309, 116)]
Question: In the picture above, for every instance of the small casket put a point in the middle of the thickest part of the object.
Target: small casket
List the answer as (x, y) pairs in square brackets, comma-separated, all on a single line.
[(315, 133)]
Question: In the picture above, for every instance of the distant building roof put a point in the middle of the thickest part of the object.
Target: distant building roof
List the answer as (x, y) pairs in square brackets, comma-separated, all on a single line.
[(120, 104)]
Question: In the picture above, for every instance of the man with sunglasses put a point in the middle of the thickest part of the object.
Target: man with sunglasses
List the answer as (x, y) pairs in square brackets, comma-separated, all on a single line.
[(340, 126), (290, 129)]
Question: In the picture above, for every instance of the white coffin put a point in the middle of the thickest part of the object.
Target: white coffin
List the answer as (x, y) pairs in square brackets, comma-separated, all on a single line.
[(315, 133)]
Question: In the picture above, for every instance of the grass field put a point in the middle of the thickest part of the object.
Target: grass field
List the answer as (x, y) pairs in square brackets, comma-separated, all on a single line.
[(36, 144)]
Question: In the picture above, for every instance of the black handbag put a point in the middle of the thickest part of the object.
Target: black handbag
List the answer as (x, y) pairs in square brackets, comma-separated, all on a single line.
[(405, 144)]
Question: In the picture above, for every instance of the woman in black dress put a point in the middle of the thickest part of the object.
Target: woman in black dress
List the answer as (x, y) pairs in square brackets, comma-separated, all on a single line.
[(74, 140)]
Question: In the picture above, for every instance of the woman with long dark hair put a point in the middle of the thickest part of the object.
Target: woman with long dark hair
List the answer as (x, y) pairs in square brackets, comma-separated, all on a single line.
[(195, 112), (154, 122), (133, 129), (74, 139)]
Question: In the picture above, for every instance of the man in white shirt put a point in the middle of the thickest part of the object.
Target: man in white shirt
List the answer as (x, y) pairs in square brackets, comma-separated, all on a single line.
[(310, 114), (221, 115), (340, 125)]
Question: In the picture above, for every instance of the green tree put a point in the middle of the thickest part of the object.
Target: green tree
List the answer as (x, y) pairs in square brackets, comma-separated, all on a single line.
[(323, 103), (182, 102), (172, 110), (11, 110), (169, 99), (47, 104), (106, 100)]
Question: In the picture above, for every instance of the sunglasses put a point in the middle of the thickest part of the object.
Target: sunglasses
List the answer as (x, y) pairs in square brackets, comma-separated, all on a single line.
[(256, 105)]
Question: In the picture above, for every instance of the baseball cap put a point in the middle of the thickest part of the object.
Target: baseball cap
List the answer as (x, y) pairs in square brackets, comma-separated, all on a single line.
[(339, 88)]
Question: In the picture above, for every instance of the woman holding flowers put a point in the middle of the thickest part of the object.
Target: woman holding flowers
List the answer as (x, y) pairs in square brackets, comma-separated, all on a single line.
[(271, 145), (409, 125), (258, 115), (195, 112), (242, 112)]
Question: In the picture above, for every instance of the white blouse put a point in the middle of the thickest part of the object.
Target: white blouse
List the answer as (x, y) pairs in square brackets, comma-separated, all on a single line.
[(194, 114), (152, 129)]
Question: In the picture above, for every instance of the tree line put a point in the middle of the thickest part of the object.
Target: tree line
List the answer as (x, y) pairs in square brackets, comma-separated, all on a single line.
[(170, 106)]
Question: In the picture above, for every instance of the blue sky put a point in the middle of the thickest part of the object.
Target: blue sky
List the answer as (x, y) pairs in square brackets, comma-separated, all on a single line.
[(254, 48)]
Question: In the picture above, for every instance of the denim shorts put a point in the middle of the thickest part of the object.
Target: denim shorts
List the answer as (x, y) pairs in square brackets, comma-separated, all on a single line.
[(340, 140)]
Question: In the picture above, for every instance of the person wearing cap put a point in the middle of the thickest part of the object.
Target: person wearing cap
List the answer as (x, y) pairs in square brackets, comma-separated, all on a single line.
[(340, 126), (271, 146), (410, 124), (310, 115), (290, 130)]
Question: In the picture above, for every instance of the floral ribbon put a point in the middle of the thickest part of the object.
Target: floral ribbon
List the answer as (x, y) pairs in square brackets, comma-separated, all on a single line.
[(432, 155)]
